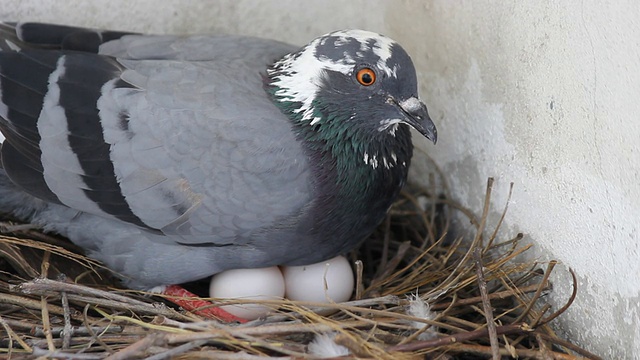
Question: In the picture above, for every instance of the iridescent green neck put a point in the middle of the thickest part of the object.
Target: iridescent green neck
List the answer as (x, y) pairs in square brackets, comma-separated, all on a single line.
[(348, 153)]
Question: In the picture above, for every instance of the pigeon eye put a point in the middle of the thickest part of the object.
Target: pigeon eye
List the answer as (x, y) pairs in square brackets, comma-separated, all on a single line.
[(366, 76)]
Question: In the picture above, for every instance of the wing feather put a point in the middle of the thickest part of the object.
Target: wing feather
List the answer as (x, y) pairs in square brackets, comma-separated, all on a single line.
[(173, 134)]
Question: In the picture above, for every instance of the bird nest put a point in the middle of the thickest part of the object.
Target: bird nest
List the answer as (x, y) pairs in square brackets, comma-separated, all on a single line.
[(421, 293)]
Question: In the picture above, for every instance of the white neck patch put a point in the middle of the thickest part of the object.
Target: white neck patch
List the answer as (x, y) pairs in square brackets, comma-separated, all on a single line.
[(299, 78)]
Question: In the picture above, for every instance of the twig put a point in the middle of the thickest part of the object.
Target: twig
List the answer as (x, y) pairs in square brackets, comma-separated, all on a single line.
[(569, 302), (502, 216), (32, 304), (269, 330), (139, 347), (544, 348), (355, 347), (535, 297), (534, 323), (67, 322), (427, 224), (116, 340), (359, 285), (177, 350), (522, 353), (456, 275), (41, 286), (497, 295), (467, 336), (477, 241), (142, 309), (12, 335), (64, 355), (275, 346), (77, 330), (240, 355), (94, 336), (12, 254), (46, 325), (486, 304), (392, 265), (570, 346)]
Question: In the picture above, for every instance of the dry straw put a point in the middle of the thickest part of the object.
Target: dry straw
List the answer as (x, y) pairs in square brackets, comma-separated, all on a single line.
[(423, 292)]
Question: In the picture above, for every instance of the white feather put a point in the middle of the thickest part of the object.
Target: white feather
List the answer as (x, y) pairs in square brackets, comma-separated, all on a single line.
[(324, 346), (421, 309)]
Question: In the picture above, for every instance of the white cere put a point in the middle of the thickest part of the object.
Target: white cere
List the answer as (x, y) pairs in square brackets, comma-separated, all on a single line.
[(411, 105)]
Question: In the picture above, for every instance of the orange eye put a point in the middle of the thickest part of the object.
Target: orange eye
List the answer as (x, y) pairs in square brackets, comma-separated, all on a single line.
[(366, 76)]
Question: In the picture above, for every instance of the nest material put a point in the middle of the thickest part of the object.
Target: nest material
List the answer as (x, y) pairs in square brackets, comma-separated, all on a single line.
[(421, 293)]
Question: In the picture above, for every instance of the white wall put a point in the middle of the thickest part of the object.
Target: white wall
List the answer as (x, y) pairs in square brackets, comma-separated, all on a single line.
[(548, 96), (540, 93)]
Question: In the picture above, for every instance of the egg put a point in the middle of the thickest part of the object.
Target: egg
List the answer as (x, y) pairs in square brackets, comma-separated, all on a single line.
[(327, 281), (248, 284)]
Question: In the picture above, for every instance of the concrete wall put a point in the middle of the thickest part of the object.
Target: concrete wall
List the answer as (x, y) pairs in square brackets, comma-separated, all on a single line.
[(540, 93)]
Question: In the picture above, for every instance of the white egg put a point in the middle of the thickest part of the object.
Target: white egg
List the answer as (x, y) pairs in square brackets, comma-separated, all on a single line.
[(248, 284), (326, 281)]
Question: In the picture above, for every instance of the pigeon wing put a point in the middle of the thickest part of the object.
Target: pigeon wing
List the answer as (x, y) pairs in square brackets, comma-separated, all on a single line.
[(172, 134)]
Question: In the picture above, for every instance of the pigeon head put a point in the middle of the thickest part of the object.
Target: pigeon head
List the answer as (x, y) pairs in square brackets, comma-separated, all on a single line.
[(351, 79), (352, 98)]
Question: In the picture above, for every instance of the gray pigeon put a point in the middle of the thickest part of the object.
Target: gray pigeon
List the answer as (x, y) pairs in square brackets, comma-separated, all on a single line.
[(172, 158)]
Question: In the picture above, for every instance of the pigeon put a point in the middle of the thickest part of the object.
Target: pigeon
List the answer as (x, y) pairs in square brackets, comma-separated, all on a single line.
[(173, 158)]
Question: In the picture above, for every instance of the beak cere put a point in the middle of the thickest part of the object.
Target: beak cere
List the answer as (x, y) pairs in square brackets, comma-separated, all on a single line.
[(416, 116)]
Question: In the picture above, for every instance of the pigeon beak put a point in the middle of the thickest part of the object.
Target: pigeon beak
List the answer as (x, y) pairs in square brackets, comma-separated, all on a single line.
[(417, 117)]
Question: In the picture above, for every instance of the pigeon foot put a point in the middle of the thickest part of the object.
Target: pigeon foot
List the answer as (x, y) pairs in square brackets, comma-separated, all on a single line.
[(193, 303)]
